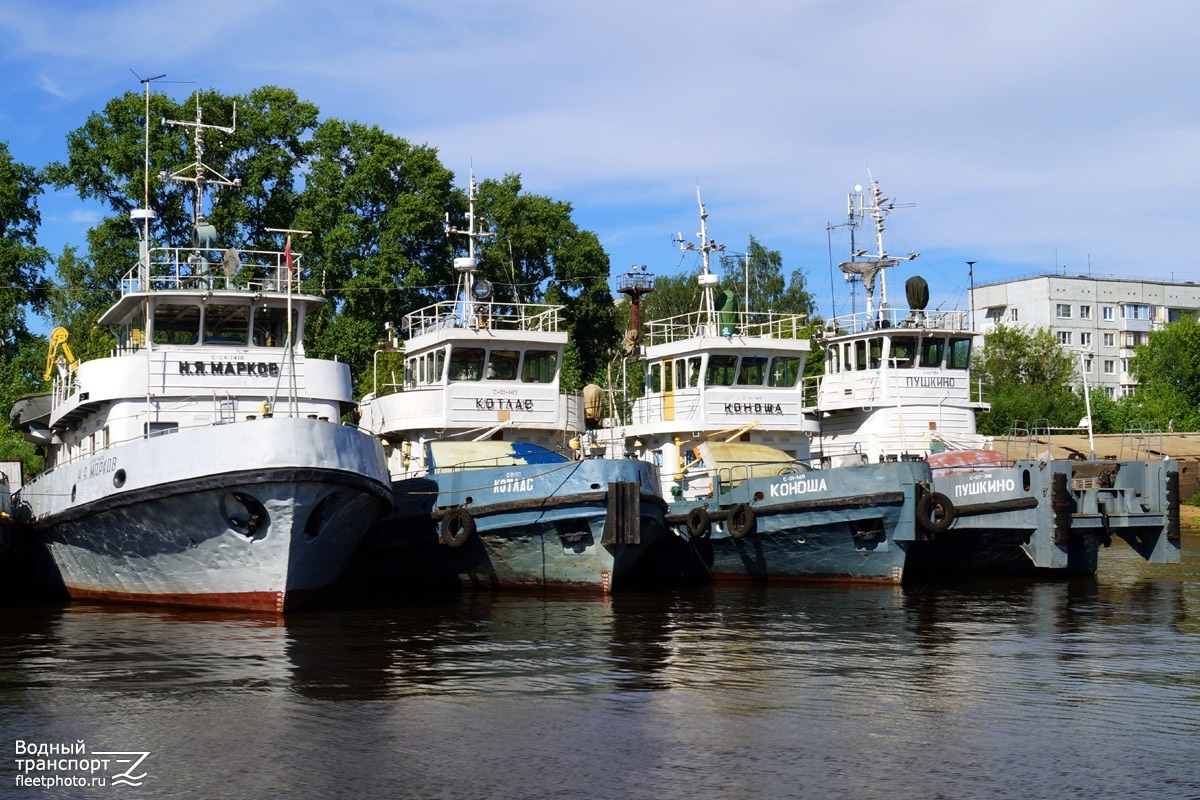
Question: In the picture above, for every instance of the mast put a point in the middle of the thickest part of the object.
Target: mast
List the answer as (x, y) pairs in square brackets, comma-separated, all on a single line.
[(707, 279), (202, 174), (471, 288), (875, 265)]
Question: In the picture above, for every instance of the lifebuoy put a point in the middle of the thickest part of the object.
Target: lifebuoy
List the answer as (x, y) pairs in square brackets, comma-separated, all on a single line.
[(457, 527), (935, 512), (741, 520), (698, 523)]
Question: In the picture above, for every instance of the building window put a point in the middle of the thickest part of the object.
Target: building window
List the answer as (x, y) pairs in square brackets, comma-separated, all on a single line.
[(1012, 315), (1064, 337), (1110, 366), (1132, 339), (1063, 310), (1087, 365), (1085, 312), (1111, 392), (1085, 339), (1135, 311), (1110, 340), (1124, 365), (1108, 312)]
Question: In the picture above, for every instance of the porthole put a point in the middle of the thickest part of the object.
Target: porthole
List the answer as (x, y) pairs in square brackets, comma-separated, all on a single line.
[(245, 514), (316, 519), (119, 478)]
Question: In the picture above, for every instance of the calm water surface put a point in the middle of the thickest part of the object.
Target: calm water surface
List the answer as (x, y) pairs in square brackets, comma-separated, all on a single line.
[(997, 689)]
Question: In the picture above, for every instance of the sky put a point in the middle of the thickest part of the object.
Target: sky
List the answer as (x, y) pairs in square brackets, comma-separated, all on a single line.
[(1026, 136)]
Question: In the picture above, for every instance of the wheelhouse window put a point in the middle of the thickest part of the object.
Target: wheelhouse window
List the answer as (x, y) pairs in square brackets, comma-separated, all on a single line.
[(176, 323), (860, 355), (721, 370), (903, 351), (959, 354), (226, 324), (540, 366), (932, 351), (833, 360), (466, 363), (656, 377), (753, 370), (502, 366), (269, 327), (785, 371)]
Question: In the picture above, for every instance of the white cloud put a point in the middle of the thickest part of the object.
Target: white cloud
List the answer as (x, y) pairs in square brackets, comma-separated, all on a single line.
[(1026, 132)]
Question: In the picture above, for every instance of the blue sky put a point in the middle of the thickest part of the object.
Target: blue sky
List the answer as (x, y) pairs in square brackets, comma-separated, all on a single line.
[(1030, 134)]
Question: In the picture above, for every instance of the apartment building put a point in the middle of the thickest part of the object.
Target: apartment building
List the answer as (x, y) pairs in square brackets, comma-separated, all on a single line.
[(1099, 320)]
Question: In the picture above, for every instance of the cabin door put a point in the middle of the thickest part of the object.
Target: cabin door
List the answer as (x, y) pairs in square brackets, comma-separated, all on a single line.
[(668, 390)]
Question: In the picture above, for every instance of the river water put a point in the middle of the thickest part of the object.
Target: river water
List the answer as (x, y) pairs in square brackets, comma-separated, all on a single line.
[(985, 689)]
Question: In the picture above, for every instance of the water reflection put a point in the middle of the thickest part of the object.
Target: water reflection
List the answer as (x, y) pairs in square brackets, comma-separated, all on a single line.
[(833, 691)]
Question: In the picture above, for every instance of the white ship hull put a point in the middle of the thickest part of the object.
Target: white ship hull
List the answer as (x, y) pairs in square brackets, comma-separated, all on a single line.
[(254, 515)]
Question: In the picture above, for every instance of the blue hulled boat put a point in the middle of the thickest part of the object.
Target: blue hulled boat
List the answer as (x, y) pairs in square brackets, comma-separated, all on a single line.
[(722, 417), (897, 386), (488, 490)]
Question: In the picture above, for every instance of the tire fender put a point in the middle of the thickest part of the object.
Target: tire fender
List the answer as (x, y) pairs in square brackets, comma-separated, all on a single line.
[(457, 527), (935, 512)]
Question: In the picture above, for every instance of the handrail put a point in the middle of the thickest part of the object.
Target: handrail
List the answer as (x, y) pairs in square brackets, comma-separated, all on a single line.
[(537, 317), (205, 268), (746, 324)]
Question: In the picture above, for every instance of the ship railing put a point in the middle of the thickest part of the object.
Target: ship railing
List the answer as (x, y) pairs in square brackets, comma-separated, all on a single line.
[(746, 324), (897, 318), (1143, 441), (737, 474), (62, 388), (173, 268), (530, 317)]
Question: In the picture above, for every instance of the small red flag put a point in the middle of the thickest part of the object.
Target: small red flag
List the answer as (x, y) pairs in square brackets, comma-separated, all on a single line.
[(287, 255)]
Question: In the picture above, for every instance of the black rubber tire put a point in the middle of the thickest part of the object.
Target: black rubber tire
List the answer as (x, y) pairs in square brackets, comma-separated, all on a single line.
[(699, 525), (741, 521), (457, 527), (935, 512)]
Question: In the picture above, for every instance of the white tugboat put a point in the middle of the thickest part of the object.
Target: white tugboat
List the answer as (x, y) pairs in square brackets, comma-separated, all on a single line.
[(897, 386), (488, 491), (202, 463), (722, 417)]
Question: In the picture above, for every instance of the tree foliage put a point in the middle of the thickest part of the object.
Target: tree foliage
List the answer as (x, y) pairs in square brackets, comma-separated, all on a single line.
[(1028, 377), (540, 255), (1167, 369), (23, 289)]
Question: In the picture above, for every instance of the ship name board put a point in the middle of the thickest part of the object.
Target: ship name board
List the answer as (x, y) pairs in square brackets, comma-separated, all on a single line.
[(754, 408), (251, 368), (932, 382), (98, 466), (502, 404), (801, 486), (506, 485), (987, 486)]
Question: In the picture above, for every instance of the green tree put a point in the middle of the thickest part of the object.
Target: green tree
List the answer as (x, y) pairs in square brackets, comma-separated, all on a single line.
[(539, 254), (768, 290), (23, 289), (106, 162), (1167, 369), (375, 204), (1028, 378)]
